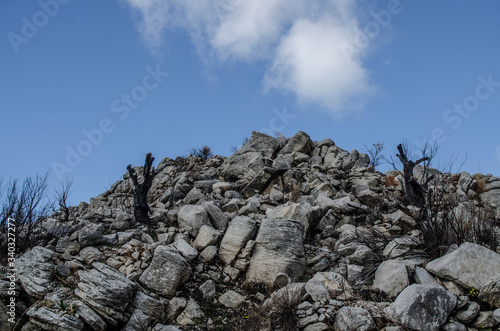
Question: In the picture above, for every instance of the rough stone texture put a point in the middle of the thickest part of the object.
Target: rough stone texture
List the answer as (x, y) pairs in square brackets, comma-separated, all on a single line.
[(421, 276), (496, 315), (206, 236), (302, 212), (161, 327), (391, 277), (299, 143), (454, 326), (90, 316), (317, 327), (278, 248), (485, 320), (471, 265), (422, 307), (468, 312), (248, 161), (491, 292), (91, 254), (146, 311), (190, 313), (107, 291), (353, 319), (185, 249), (231, 299), (326, 285), (90, 235), (123, 222), (175, 306), (168, 270), (217, 217), (208, 288), (192, 218), (208, 254), (35, 270), (51, 320), (240, 230)]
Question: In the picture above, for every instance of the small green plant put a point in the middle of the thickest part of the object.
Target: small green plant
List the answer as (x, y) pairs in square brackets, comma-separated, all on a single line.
[(73, 308), (62, 305)]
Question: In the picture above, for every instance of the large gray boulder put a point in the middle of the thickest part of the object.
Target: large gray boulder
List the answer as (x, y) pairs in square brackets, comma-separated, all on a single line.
[(422, 307), (391, 277), (106, 291), (248, 161), (470, 265), (192, 218), (279, 248), (90, 235), (167, 271), (299, 143), (35, 270), (240, 230)]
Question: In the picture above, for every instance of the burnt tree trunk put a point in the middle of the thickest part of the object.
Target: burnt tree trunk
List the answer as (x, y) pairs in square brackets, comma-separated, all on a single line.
[(414, 193), (141, 207)]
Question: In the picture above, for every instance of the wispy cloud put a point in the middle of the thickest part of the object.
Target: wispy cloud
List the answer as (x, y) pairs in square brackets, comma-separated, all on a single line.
[(299, 40)]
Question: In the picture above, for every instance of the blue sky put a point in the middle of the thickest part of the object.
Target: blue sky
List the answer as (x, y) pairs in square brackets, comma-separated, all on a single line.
[(90, 86)]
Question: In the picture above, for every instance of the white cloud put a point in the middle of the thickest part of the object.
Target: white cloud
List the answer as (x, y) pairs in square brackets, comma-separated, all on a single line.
[(300, 40)]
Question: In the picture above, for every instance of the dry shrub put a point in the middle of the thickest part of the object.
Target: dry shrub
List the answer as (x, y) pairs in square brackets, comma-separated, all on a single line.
[(278, 312), (390, 181)]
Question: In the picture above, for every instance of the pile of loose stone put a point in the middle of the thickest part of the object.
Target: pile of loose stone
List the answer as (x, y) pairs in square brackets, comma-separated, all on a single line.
[(282, 227)]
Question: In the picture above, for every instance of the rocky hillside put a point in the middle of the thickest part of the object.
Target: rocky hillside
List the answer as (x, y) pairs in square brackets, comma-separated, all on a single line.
[(286, 234)]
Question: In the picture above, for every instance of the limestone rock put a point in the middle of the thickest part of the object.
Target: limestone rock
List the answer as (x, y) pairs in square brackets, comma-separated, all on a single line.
[(391, 277), (353, 319), (123, 222), (192, 218), (299, 143), (107, 291), (278, 248), (422, 307), (50, 320), (240, 230), (231, 299), (167, 271), (35, 270), (491, 292), (206, 236), (471, 265)]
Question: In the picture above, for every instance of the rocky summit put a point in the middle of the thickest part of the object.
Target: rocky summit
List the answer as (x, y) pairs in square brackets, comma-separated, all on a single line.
[(285, 234)]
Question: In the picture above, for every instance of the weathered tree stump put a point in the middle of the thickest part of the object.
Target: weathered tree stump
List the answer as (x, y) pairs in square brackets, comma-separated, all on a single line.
[(141, 207), (414, 193)]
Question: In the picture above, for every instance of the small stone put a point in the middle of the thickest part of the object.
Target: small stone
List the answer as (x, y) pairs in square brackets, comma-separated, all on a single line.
[(208, 289), (231, 299)]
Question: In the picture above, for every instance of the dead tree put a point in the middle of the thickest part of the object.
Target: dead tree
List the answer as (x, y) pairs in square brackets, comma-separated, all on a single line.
[(414, 193), (62, 195), (141, 207)]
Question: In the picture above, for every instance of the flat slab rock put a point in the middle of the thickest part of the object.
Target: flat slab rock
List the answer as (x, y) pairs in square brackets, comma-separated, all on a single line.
[(35, 270), (470, 265), (107, 291)]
